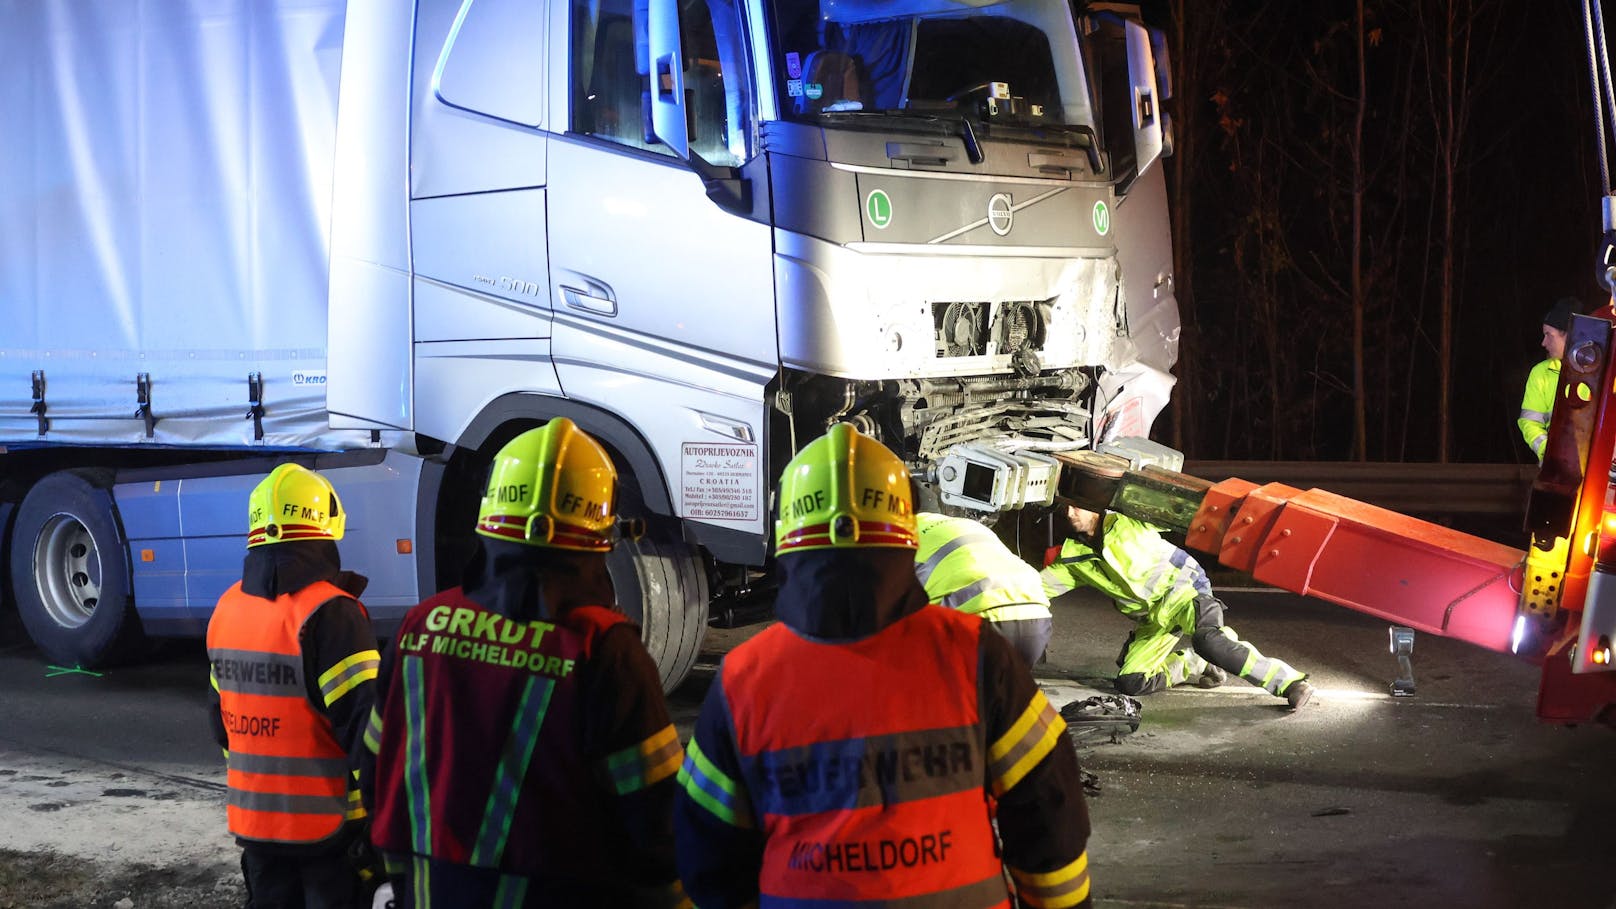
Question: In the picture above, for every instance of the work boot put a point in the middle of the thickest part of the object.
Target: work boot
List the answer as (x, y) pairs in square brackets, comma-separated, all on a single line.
[(1212, 677), (1299, 694)]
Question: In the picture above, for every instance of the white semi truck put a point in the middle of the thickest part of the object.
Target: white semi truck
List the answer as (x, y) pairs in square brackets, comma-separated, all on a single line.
[(381, 237)]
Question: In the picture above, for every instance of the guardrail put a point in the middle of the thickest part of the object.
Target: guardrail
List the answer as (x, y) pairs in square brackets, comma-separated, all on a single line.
[(1417, 489)]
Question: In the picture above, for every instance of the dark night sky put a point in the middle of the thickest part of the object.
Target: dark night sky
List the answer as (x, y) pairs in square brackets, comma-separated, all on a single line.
[(1265, 109)]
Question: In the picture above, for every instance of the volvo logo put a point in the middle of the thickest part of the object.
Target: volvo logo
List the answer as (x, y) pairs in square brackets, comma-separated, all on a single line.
[(1000, 214)]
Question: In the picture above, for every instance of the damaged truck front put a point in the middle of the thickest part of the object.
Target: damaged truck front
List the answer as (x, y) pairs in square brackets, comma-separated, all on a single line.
[(383, 238)]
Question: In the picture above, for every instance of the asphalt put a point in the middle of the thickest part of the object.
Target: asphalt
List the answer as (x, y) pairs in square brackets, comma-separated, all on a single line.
[(1222, 798)]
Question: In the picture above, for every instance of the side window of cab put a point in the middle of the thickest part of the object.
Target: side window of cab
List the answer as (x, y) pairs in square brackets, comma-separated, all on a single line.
[(610, 86)]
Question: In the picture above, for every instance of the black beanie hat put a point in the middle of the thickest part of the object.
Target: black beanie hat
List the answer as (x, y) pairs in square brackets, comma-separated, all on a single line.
[(1559, 317)]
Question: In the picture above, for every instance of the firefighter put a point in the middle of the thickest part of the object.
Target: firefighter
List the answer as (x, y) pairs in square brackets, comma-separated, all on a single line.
[(1167, 593), (965, 566), (524, 755), (852, 753), (1537, 403), (294, 665)]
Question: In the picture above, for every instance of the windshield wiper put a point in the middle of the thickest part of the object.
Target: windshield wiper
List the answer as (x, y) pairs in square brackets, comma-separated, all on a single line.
[(973, 147)]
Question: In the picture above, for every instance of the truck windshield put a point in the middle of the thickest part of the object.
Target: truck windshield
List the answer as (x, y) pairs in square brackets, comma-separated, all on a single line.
[(1014, 63)]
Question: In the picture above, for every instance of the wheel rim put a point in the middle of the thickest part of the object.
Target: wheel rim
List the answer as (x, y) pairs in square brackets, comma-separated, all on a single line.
[(67, 568)]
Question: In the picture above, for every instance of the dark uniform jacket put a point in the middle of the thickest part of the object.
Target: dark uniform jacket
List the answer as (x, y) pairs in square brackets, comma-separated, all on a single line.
[(536, 751)]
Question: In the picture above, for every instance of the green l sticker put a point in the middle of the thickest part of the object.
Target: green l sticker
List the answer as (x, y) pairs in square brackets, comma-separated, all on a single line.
[(878, 208), (1102, 218)]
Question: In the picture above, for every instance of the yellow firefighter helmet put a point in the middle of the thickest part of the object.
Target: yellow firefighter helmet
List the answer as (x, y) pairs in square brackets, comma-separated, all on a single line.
[(552, 486), (293, 503), (844, 489)]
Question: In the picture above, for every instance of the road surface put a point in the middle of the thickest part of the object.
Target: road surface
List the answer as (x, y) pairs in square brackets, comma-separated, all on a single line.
[(111, 788)]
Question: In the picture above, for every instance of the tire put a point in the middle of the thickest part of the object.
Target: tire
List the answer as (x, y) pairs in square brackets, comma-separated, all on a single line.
[(70, 572), (662, 584)]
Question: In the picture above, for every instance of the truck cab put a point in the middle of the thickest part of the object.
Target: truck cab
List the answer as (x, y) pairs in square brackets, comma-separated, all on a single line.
[(705, 230)]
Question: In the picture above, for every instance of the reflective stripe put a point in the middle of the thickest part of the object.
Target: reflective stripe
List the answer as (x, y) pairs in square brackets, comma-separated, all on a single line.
[(356, 806), (513, 760), (1540, 443), (1535, 416), (987, 892), (965, 537), (285, 803), (243, 762), (869, 533), (257, 672), (415, 779), (1056, 582), (511, 892), (1267, 673), (645, 763), (373, 731), (1026, 743), (1056, 889), (572, 535), (1015, 612), (341, 678), (712, 789), (970, 592), (421, 882), (877, 770)]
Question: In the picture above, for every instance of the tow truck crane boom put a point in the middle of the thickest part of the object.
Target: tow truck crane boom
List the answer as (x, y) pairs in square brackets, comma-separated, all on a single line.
[(1410, 572)]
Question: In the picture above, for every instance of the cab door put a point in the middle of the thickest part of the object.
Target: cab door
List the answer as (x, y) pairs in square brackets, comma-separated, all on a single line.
[(663, 299), (479, 136)]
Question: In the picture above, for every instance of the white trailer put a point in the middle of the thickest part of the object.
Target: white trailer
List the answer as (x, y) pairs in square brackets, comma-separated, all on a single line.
[(383, 237)]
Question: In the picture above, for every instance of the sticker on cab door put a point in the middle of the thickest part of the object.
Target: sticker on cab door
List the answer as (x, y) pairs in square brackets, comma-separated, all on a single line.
[(794, 87), (720, 481), (794, 65)]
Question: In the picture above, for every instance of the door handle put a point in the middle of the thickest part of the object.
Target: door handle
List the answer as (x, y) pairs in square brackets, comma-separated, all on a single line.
[(601, 303)]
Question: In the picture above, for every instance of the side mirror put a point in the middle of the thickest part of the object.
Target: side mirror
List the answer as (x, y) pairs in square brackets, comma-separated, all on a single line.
[(665, 67), (1147, 114)]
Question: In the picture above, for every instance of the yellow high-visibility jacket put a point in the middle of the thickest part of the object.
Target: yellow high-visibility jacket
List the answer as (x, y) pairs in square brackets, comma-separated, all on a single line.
[(1536, 405), (963, 565)]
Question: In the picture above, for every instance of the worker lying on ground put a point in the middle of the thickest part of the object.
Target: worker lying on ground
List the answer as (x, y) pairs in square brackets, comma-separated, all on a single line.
[(1164, 590), (965, 566), (849, 754)]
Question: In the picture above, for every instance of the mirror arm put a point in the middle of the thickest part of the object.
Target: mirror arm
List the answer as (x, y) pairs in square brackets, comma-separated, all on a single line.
[(726, 186)]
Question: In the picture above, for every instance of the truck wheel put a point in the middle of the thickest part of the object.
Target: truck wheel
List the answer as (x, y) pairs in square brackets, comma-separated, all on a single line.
[(70, 571), (662, 584)]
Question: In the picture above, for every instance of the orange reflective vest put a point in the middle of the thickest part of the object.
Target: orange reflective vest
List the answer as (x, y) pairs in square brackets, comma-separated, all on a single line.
[(866, 764), (288, 776)]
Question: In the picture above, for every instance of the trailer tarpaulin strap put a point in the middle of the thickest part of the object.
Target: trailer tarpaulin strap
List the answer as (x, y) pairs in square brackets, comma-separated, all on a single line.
[(38, 410), (143, 409), (255, 404)]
